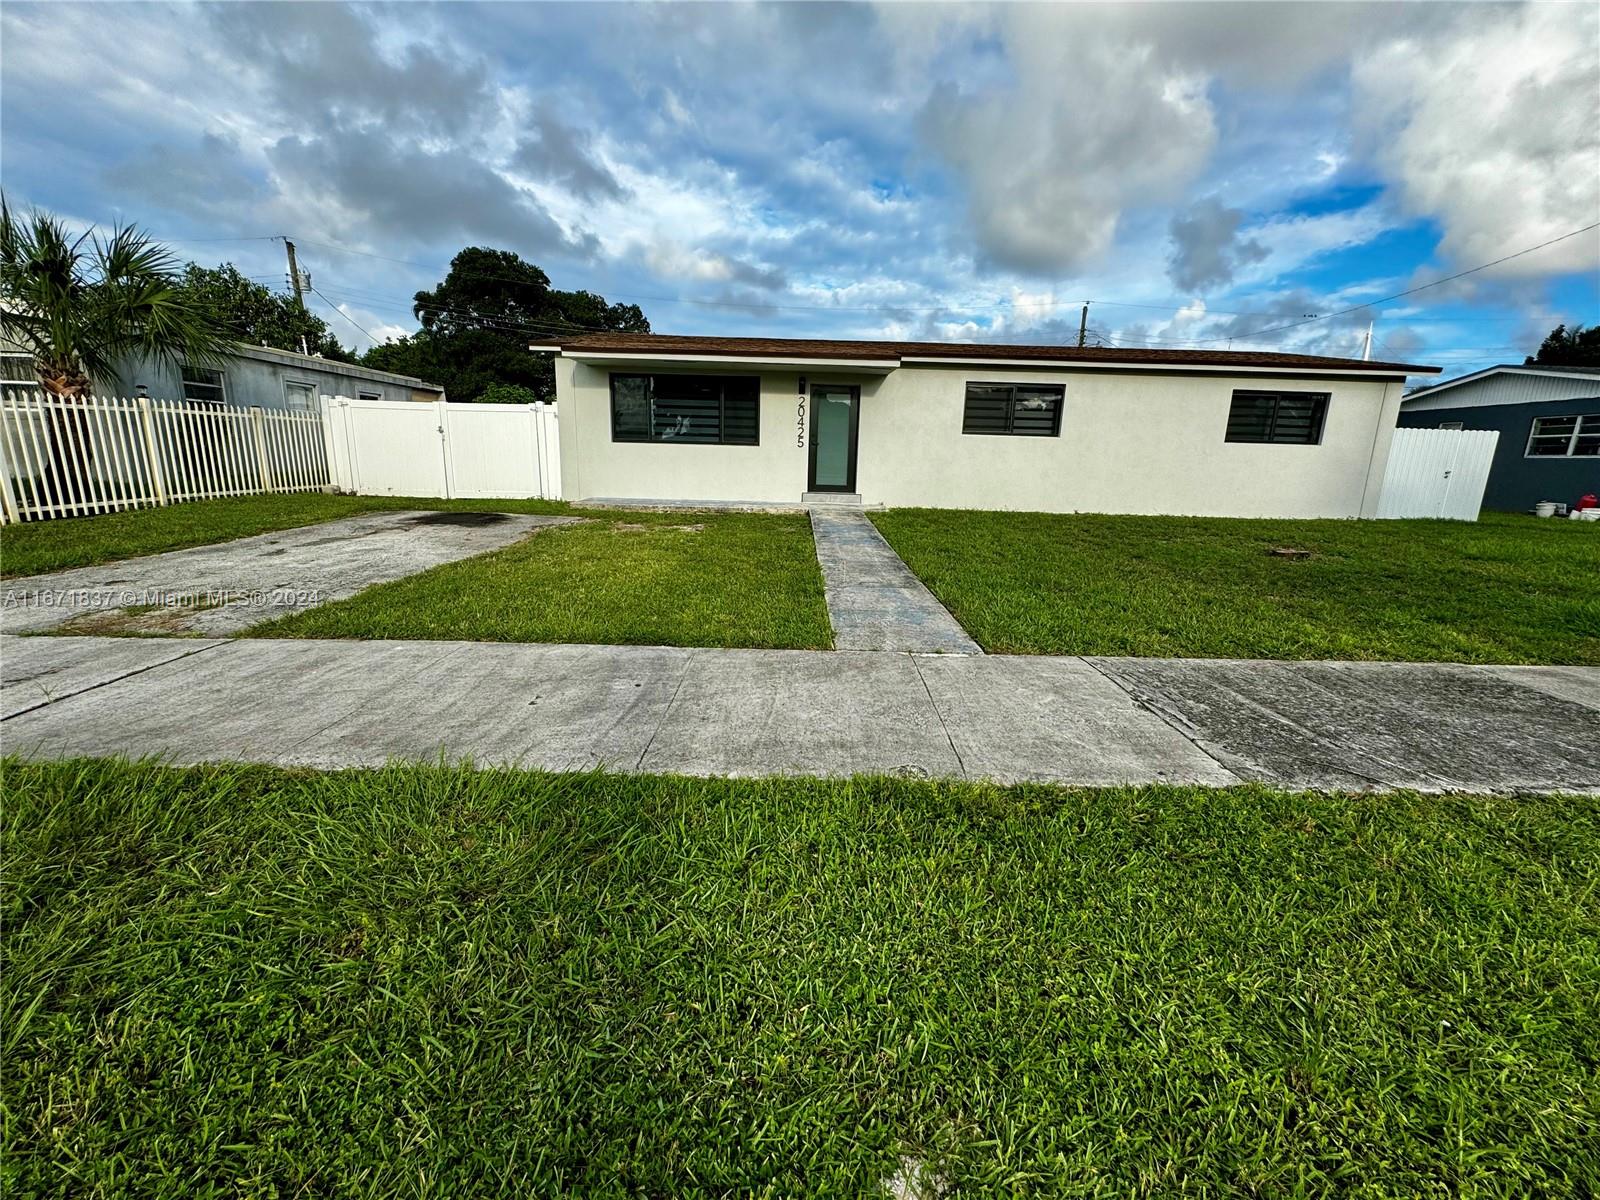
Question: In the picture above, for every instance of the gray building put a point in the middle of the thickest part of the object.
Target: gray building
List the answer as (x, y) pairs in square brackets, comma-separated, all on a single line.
[(251, 377), (264, 377), (1549, 424)]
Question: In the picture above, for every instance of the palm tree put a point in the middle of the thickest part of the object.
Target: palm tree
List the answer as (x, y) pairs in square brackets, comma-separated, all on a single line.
[(80, 304)]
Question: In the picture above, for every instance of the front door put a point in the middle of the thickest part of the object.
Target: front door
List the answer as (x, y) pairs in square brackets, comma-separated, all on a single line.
[(834, 419)]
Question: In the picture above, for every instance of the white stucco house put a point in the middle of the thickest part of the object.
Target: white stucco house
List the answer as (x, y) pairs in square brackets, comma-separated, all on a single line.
[(650, 417)]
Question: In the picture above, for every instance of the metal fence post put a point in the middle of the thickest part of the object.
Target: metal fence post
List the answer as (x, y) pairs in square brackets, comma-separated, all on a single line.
[(258, 426), (152, 451)]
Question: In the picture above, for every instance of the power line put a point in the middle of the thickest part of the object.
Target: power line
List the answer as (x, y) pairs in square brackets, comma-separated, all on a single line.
[(1410, 291), (370, 336)]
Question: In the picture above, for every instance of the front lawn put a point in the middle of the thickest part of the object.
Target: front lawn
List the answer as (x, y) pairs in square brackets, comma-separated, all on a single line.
[(673, 579), (429, 981), (38, 547), (1508, 589)]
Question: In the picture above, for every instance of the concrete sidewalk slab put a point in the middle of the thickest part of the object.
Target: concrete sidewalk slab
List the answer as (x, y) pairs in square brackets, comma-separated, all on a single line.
[(560, 708), (1581, 685), (779, 712), (874, 600), (1359, 725), (1057, 719), (221, 589), (39, 671), (801, 712)]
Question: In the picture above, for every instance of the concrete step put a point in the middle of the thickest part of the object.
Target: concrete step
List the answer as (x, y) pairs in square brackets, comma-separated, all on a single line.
[(831, 499)]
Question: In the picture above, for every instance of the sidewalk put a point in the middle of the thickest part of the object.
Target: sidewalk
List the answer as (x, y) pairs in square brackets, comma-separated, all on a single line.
[(773, 712)]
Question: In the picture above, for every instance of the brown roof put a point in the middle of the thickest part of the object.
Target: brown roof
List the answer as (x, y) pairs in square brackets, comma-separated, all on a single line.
[(740, 347)]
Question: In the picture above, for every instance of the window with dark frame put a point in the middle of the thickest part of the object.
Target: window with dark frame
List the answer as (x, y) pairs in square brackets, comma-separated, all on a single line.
[(1281, 418), (1564, 437), (204, 384), (713, 410), (1015, 409)]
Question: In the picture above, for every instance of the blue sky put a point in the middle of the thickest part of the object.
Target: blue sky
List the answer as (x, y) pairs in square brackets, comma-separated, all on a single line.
[(1204, 173)]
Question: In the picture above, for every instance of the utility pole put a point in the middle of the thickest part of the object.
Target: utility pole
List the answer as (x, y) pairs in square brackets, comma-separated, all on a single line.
[(1083, 323), (295, 280), (1366, 348)]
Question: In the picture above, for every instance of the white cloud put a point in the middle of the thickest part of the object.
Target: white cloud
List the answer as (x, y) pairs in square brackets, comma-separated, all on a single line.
[(1494, 130), (1075, 131)]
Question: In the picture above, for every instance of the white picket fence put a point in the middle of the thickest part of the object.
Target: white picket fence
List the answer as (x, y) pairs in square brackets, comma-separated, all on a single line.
[(470, 451), (64, 458), (1437, 473)]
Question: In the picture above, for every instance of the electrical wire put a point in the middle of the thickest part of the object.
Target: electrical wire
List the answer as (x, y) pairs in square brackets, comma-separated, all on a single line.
[(1410, 291)]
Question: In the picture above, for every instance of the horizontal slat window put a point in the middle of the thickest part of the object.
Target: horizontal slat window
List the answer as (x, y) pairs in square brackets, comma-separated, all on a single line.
[(1565, 437), (696, 409), (1021, 410), (205, 385), (1291, 418)]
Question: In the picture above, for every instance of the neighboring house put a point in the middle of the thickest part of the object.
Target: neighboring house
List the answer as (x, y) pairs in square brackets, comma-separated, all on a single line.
[(1549, 424), (1042, 428), (252, 376), (265, 377)]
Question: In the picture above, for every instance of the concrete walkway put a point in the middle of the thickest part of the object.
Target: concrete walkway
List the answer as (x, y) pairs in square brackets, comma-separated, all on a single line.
[(874, 601), (756, 712), (224, 588)]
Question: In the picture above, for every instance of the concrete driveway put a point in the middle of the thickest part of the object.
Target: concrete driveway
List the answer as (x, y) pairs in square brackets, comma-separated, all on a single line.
[(221, 589)]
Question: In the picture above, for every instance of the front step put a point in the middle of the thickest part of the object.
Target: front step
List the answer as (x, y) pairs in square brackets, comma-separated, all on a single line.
[(831, 499)]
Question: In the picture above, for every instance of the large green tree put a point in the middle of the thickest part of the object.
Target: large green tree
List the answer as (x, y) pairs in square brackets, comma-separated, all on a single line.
[(1575, 347), (477, 325), (252, 312), (81, 304)]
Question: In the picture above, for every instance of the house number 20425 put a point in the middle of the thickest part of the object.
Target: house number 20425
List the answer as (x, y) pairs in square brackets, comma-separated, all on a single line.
[(800, 423)]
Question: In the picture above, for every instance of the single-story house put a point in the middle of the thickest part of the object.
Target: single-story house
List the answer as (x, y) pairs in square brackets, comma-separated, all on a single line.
[(266, 377), (1549, 423), (1035, 428)]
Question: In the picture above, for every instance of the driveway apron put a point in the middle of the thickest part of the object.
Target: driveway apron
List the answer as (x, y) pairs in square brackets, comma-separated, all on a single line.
[(222, 589)]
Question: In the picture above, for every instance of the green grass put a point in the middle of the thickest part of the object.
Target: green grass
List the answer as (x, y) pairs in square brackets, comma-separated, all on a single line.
[(429, 981), (675, 579), (41, 546), (1508, 589)]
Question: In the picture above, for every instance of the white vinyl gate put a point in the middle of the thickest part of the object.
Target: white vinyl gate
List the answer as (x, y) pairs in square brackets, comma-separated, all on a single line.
[(470, 451), (1437, 473)]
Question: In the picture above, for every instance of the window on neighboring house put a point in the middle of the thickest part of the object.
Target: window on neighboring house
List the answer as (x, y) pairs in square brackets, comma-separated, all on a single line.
[(700, 409), (204, 384), (1020, 409), (1452, 425), (16, 368), (369, 395), (299, 397), (1285, 418), (1565, 437)]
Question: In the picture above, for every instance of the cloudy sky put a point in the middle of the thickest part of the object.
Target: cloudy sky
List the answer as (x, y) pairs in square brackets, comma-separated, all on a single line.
[(1204, 173)]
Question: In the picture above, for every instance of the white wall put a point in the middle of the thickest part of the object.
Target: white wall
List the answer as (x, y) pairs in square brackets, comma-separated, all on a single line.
[(1130, 443), (594, 467)]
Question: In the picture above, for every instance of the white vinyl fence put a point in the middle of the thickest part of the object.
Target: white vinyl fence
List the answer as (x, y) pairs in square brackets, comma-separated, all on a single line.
[(65, 458), (1437, 473), (471, 451)]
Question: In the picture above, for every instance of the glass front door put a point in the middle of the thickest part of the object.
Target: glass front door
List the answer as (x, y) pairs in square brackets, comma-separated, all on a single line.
[(833, 438)]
